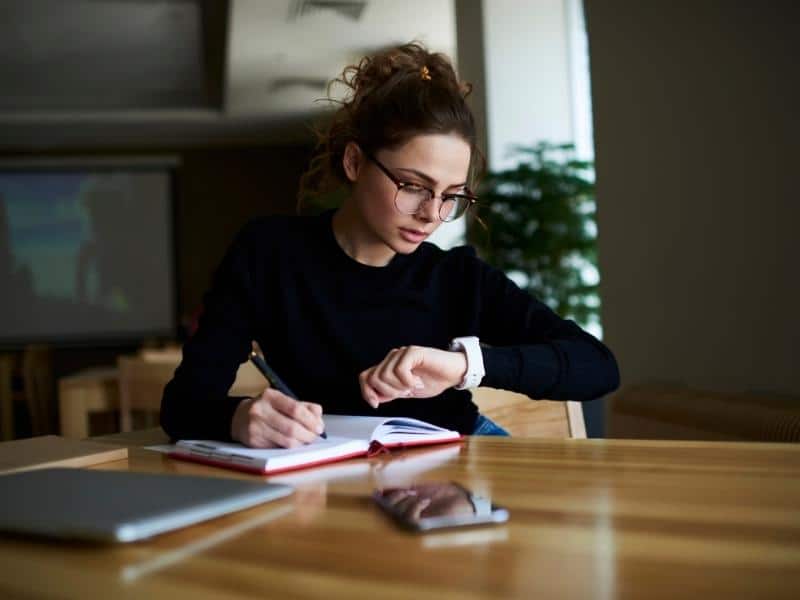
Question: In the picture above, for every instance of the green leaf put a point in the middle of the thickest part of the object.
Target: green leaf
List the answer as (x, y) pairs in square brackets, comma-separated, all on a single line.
[(539, 216)]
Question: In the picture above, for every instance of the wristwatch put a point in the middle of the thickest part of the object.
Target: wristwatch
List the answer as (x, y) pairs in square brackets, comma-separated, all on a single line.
[(471, 347), (481, 504)]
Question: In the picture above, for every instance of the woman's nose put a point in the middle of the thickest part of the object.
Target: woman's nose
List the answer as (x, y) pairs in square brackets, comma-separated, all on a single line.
[(429, 209)]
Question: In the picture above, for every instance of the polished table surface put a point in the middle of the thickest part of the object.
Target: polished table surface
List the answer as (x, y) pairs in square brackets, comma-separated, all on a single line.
[(589, 519)]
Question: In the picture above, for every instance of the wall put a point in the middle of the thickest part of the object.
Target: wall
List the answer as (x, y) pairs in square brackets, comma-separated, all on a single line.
[(520, 57), (696, 130), (528, 93), (527, 63), (219, 188)]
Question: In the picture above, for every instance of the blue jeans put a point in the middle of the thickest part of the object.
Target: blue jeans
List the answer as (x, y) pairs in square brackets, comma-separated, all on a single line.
[(484, 426)]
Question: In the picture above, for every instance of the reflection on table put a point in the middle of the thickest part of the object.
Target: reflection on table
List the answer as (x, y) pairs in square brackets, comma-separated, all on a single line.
[(588, 518)]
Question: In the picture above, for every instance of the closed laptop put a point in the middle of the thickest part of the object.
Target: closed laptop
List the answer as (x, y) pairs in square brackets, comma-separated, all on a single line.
[(120, 506)]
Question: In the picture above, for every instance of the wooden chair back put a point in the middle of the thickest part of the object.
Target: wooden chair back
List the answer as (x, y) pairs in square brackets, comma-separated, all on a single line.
[(39, 388), (248, 382), (141, 385), (523, 417), (88, 395), (7, 366), (142, 379)]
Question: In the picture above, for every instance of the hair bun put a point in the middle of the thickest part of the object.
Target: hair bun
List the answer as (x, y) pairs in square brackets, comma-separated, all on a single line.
[(390, 96), (411, 64)]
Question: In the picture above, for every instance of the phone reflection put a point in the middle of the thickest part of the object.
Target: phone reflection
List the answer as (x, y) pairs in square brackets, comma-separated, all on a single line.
[(435, 505)]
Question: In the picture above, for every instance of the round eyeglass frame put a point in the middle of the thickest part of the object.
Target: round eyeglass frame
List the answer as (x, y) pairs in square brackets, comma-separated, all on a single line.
[(470, 198)]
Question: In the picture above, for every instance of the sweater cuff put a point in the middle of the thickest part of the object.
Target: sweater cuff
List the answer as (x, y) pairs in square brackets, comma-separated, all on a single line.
[(504, 369), (211, 419), (223, 417)]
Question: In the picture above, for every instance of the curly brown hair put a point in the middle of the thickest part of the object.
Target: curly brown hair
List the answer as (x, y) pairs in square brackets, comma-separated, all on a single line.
[(390, 97)]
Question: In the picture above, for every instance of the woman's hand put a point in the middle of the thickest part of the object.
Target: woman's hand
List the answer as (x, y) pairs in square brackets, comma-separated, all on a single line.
[(412, 371), (274, 420)]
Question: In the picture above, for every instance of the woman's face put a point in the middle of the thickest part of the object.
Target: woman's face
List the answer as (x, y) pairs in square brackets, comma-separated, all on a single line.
[(437, 161)]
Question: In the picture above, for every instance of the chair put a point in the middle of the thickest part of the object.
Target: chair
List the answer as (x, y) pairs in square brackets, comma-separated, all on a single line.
[(7, 366), (141, 385), (39, 388), (93, 391), (142, 379), (523, 417)]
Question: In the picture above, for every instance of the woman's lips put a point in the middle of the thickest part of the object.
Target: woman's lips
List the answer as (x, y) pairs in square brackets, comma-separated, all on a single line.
[(412, 235)]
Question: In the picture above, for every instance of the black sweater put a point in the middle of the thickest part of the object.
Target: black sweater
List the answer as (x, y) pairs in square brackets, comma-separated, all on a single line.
[(321, 318)]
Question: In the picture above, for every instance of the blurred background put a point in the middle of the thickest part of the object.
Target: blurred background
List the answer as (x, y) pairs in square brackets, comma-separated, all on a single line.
[(640, 156)]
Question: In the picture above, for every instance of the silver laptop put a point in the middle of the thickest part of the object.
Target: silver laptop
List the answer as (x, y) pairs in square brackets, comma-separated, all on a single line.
[(120, 506)]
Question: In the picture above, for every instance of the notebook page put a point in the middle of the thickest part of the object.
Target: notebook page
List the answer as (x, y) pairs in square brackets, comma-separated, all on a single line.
[(397, 430), (385, 429), (348, 426)]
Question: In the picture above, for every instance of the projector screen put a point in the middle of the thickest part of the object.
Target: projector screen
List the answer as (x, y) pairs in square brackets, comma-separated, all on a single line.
[(86, 254)]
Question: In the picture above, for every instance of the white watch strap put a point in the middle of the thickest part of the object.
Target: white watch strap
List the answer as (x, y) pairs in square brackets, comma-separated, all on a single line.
[(471, 347), (481, 504)]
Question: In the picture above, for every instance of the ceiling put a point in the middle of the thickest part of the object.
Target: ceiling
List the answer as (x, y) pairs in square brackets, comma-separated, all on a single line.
[(163, 72)]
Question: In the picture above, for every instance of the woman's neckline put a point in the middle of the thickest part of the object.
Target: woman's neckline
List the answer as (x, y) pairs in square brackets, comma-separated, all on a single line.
[(396, 261)]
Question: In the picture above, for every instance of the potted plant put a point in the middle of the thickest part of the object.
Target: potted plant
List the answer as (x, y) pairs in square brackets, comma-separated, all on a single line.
[(536, 223)]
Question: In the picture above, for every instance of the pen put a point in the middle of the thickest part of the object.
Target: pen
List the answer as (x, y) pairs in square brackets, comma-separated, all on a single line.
[(274, 380)]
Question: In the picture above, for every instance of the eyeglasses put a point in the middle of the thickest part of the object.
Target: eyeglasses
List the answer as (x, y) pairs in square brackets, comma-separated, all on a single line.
[(411, 197)]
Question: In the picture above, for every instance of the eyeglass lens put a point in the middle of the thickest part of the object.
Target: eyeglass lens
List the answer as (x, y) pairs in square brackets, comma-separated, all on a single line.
[(409, 200)]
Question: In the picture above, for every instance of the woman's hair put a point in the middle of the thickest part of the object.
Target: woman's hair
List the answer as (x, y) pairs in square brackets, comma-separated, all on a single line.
[(391, 97)]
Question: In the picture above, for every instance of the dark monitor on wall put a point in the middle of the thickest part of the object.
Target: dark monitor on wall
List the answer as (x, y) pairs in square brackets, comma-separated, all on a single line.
[(87, 253)]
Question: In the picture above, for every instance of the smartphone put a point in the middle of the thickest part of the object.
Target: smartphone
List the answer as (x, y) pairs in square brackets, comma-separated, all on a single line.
[(438, 505)]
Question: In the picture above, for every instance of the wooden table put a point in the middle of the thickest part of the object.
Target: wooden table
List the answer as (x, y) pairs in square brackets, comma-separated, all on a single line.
[(589, 519)]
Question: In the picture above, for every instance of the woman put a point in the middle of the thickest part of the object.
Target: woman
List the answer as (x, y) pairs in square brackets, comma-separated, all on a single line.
[(353, 309)]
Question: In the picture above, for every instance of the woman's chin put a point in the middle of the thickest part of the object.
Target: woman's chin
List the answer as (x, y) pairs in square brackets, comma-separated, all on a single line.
[(405, 247)]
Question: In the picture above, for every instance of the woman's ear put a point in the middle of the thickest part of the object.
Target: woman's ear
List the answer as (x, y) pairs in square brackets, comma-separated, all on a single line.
[(352, 161)]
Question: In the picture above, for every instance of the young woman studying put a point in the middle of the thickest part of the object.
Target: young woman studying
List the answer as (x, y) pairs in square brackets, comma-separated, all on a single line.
[(354, 310)]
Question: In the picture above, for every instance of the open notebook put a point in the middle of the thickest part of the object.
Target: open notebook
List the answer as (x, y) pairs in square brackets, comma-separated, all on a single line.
[(348, 437)]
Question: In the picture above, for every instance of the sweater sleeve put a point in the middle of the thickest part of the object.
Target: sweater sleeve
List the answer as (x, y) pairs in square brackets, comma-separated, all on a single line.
[(196, 402), (532, 350)]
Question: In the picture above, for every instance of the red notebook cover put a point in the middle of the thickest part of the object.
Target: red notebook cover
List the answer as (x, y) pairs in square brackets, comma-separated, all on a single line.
[(375, 448)]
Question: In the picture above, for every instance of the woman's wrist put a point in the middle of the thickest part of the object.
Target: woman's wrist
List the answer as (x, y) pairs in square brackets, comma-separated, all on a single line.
[(460, 371), (239, 419)]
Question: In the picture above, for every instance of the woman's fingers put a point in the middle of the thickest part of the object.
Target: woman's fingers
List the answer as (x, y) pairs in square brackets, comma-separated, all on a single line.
[(314, 408), (275, 439), (288, 433), (386, 372), (369, 393), (373, 391), (382, 381), (307, 414), (276, 420), (393, 377), (293, 418), (404, 368)]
